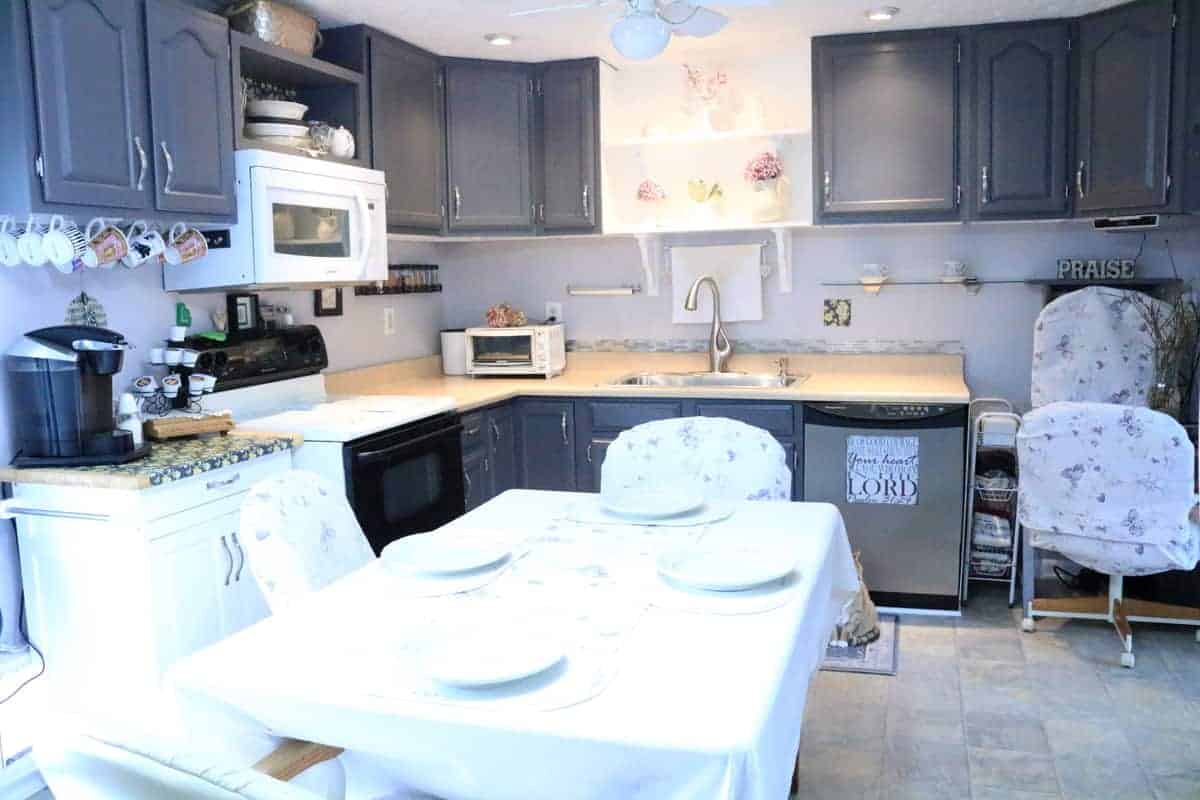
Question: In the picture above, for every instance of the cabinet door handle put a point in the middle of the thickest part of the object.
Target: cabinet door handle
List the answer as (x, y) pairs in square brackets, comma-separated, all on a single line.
[(1079, 190), (145, 162), (470, 489), (595, 442), (541, 212), (241, 557), (497, 434), (486, 467), (587, 201), (563, 425), (229, 558), (457, 204), (984, 189), (471, 431), (170, 168), (230, 481), (828, 187)]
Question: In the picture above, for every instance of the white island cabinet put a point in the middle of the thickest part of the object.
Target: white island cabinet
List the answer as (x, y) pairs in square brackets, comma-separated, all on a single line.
[(121, 581)]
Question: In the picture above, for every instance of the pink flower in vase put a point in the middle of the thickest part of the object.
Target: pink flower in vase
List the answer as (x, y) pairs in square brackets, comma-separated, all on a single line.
[(650, 192), (705, 87), (764, 167)]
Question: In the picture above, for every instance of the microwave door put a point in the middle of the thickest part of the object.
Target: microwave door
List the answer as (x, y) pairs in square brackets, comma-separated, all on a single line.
[(306, 228)]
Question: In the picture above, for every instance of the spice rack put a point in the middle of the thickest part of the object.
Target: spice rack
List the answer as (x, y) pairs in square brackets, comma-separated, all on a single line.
[(405, 279), (994, 532)]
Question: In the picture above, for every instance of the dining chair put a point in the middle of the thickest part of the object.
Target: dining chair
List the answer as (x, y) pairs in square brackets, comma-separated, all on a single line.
[(722, 458), (81, 766), (300, 535), (1110, 487)]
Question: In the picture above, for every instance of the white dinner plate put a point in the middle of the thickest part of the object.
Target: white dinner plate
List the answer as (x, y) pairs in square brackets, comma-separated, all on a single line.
[(650, 503), (473, 658), (434, 554), (283, 109), (723, 569), (262, 129)]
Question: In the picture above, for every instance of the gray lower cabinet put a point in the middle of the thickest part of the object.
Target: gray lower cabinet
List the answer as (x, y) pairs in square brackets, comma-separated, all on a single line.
[(1021, 97), (502, 448), (475, 478), (489, 454), (89, 78), (1125, 97), (545, 434), (488, 145), (569, 149), (191, 112), (886, 121)]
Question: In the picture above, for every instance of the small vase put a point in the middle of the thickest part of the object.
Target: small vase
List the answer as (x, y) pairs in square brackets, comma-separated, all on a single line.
[(648, 214), (767, 203), (708, 213), (1165, 398)]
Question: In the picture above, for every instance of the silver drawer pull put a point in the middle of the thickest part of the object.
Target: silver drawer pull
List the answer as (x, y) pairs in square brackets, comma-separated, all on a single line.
[(222, 484), (241, 558), (564, 428), (229, 558)]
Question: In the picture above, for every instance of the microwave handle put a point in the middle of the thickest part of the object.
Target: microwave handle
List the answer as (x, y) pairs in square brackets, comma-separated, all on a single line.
[(366, 228)]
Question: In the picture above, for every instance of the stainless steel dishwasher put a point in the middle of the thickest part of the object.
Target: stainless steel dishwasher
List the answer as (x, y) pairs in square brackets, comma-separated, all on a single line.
[(896, 473)]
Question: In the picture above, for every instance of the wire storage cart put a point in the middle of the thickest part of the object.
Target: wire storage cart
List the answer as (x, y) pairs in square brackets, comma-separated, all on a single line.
[(994, 532)]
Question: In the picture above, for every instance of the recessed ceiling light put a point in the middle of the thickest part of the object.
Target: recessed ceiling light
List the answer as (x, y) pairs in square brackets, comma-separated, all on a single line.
[(499, 39), (883, 13)]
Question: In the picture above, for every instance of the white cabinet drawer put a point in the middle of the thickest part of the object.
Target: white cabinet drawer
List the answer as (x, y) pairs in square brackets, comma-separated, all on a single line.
[(210, 487)]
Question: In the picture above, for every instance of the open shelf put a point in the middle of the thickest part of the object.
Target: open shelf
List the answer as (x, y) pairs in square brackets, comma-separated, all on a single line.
[(268, 62), (700, 137)]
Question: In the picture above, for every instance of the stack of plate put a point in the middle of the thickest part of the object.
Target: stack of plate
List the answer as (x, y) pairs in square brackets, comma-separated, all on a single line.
[(277, 122)]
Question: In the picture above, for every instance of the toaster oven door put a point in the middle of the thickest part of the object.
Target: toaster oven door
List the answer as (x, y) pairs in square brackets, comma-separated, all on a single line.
[(501, 350)]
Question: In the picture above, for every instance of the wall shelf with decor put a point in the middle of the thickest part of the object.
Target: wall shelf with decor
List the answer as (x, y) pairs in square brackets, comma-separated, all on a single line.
[(333, 94), (699, 137)]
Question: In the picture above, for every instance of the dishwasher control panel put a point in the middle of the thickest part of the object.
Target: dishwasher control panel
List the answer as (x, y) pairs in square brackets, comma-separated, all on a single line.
[(886, 411)]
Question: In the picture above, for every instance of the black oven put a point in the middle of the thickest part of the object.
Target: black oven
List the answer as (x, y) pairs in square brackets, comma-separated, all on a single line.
[(406, 480)]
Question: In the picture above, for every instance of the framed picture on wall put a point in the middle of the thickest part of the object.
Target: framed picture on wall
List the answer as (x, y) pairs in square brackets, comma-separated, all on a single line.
[(327, 302)]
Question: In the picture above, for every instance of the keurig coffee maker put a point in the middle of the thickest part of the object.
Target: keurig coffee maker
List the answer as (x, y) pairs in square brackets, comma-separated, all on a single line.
[(61, 398)]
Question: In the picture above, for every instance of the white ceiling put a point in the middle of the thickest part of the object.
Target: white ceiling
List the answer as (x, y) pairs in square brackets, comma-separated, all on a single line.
[(457, 27)]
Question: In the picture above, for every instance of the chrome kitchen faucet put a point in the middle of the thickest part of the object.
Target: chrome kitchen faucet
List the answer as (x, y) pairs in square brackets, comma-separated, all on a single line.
[(719, 347)]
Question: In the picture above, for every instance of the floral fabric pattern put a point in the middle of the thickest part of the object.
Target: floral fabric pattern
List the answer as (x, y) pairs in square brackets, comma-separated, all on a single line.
[(1092, 345), (721, 458), (1109, 486), (301, 535)]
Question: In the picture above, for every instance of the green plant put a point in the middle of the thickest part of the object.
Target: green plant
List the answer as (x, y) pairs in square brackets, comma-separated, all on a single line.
[(1174, 326)]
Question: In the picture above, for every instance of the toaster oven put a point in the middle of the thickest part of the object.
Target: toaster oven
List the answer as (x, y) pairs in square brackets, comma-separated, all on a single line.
[(529, 350)]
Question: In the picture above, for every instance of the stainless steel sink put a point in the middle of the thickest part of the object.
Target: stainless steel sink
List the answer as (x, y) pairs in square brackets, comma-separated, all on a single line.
[(750, 380)]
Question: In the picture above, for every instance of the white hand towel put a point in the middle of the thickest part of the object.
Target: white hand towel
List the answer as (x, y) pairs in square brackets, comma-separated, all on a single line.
[(737, 271)]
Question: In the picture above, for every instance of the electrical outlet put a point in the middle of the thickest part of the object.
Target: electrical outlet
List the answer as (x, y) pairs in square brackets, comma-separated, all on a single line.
[(554, 310), (389, 321)]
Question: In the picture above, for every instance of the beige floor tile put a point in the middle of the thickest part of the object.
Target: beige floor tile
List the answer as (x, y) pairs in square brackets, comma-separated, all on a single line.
[(979, 792), (980, 674), (1005, 732), (1008, 769), (1177, 786), (925, 790), (920, 761), (929, 724), (1017, 702), (1164, 751), (1076, 737), (1101, 775)]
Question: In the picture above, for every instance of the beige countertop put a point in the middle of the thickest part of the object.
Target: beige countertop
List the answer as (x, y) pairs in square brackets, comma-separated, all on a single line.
[(887, 378)]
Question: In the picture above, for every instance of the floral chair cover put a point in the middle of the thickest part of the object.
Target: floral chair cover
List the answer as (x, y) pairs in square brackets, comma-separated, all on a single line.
[(1092, 345), (300, 535), (723, 458), (1108, 486)]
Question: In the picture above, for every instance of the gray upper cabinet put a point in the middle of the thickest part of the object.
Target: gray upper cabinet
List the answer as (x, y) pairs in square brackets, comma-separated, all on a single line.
[(886, 121), (1124, 128), (569, 152), (90, 91), (488, 148), (190, 109), (1021, 120)]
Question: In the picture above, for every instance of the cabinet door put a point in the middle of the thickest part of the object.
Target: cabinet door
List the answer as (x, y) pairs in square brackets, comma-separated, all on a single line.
[(488, 146), (1021, 120), (476, 488), (408, 133), (243, 602), (90, 89), (1124, 108), (190, 109), (569, 134), (597, 448), (887, 120), (502, 450), (545, 444), (193, 570)]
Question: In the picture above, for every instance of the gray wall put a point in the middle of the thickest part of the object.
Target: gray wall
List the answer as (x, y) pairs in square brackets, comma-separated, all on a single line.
[(995, 327)]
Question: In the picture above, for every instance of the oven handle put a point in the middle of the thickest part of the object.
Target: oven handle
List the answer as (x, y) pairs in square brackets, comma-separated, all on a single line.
[(375, 455)]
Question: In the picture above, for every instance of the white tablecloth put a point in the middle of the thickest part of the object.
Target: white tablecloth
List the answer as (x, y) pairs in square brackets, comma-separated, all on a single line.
[(699, 705)]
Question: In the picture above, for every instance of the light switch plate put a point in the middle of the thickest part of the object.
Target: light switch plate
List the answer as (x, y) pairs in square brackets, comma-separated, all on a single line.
[(389, 321), (554, 310)]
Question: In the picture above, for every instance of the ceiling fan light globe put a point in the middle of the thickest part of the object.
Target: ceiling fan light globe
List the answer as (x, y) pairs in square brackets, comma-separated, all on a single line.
[(694, 21), (640, 36)]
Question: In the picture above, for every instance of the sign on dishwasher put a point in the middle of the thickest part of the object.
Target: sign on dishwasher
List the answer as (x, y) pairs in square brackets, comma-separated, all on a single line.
[(882, 470)]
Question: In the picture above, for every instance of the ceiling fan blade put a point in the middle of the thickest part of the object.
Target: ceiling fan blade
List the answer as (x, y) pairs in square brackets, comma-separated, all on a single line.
[(563, 7), (736, 3), (687, 19)]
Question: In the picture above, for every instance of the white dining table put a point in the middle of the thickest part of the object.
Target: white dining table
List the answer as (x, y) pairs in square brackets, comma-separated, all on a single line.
[(684, 703)]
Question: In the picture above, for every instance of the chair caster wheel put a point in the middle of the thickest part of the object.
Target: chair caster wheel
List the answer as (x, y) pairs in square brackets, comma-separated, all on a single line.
[(1127, 660), (1029, 626)]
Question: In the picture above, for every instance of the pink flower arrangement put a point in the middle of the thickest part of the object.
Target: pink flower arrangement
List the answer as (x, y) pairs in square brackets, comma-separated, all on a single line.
[(650, 192), (704, 87), (764, 167)]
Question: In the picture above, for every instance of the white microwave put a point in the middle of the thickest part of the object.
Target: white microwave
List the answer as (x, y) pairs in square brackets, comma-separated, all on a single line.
[(301, 221), (529, 350)]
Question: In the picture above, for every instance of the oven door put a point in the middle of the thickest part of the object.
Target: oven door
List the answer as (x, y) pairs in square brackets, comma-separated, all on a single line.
[(491, 350), (406, 481), (314, 229)]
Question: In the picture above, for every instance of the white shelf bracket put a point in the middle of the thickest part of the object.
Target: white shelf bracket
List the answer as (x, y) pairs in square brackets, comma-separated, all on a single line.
[(783, 258), (650, 245)]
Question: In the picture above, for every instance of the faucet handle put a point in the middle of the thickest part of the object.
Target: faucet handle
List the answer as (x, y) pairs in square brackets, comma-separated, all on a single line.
[(782, 363)]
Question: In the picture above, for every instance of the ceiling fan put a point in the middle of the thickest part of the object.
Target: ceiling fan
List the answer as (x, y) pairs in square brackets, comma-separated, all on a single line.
[(646, 26)]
